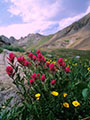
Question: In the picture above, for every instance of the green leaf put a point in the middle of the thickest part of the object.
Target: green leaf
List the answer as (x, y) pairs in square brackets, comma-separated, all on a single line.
[(89, 85), (85, 93)]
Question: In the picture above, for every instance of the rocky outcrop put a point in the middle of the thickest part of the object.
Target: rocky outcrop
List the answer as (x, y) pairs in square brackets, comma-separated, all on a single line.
[(30, 38), (7, 41), (7, 88)]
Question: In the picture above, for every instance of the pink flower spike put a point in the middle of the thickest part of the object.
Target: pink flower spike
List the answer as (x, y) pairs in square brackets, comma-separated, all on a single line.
[(34, 57), (31, 81), (67, 69), (34, 76), (53, 82), (11, 57), (30, 55), (38, 51), (52, 66), (9, 70), (43, 77)]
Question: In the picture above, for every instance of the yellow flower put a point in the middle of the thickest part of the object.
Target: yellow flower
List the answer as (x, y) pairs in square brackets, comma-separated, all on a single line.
[(54, 93), (66, 105), (76, 103), (88, 69), (48, 61), (67, 65), (65, 60), (64, 94), (37, 95), (54, 62), (37, 98), (75, 64)]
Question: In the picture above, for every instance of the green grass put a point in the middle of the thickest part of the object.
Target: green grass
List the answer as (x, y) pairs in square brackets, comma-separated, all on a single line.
[(42, 41), (1, 50), (84, 54), (14, 48), (66, 40), (29, 43)]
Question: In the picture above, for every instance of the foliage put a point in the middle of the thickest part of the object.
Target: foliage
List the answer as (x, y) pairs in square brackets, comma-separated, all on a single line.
[(13, 48), (46, 39), (70, 53), (50, 89), (1, 50), (66, 40)]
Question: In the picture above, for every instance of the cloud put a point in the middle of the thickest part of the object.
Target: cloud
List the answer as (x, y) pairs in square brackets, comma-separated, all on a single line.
[(18, 30), (37, 15), (67, 21), (35, 10)]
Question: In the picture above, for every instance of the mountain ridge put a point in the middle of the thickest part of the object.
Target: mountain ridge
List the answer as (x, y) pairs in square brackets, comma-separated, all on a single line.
[(75, 36), (82, 25)]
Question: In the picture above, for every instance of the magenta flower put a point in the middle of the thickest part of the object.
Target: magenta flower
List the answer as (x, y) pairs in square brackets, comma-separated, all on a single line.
[(67, 69), (11, 57), (9, 70), (53, 82), (43, 77), (31, 81)]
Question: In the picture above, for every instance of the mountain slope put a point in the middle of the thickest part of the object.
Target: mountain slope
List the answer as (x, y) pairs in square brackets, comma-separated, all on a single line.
[(75, 36), (33, 41)]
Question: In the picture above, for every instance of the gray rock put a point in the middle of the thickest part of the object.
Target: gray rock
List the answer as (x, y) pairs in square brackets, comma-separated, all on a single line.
[(7, 41), (77, 57)]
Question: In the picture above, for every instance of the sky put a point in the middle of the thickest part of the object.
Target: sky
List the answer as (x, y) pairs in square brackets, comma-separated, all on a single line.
[(19, 18)]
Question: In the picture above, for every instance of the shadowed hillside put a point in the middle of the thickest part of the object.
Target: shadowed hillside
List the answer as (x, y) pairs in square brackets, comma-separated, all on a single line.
[(75, 36)]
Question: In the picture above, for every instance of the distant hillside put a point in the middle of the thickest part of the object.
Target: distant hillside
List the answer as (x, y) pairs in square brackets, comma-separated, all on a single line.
[(75, 36), (33, 41)]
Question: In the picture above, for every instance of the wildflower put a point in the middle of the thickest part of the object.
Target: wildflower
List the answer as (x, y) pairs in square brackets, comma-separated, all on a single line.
[(76, 103), (53, 82), (27, 63), (38, 75), (9, 70), (37, 95), (54, 93), (52, 66), (54, 62), (66, 105), (21, 59), (11, 57), (37, 98), (30, 55), (64, 94), (63, 64), (67, 69), (65, 60), (40, 57), (67, 65), (31, 81), (50, 60), (43, 59), (47, 64), (43, 77), (34, 76), (75, 64), (34, 57), (38, 51), (60, 60), (88, 69)]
